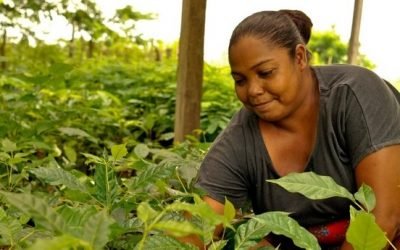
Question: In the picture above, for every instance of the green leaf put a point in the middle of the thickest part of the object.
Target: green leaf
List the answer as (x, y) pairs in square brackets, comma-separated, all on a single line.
[(141, 150), (63, 242), (145, 212), (76, 217), (77, 132), (97, 230), (58, 176), (365, 195), (4, 156), (188, 170), (177, 228), (149, 176), (8, 146), (149, 121), (74, 132), (9, 230), (162, 242), (167, 136), (364, 234), (3, 213), (70, 153), (312, 186), (106, 185), (203, 210), (218, 245), (278, 223), (92, 158), (229, 210), (118, 152), (250, 233), (22, 155), (16, 160), (38, 209)]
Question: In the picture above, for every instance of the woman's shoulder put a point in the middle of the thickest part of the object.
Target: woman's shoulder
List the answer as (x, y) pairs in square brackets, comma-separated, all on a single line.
[(242, 122), (360, 80)]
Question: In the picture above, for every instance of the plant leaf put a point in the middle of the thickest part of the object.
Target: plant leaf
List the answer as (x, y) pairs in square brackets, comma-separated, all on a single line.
[(203, 210), (162, 242), (38, 209), (363, 232), (229, 210), (177, 228), (97, 230), (9, 229), (145, 212), (63, 242), (278, 223), (149, 176), (70, 153), (313, 186), (76, 217), (106, 185), (141, 150), (8, 146), (188, 170), (217, 245), (365, 195), (250, 233), (58, 176), (74, 132), (77, 132), (118, 152)]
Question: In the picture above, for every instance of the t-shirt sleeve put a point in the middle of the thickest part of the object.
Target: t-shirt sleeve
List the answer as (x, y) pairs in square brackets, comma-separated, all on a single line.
[(372, 117), (222, 172)]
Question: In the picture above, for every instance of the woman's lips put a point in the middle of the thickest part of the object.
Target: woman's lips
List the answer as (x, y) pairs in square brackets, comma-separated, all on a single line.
[(262, 105)]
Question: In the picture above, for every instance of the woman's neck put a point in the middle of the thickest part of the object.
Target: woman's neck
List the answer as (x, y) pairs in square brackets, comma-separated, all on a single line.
[(305, 117)]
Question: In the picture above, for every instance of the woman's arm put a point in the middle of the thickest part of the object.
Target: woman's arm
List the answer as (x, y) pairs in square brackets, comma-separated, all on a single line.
[(381, 171)]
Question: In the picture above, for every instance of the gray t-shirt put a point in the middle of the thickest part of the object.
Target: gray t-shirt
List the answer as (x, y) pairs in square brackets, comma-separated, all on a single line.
[(359, 114)]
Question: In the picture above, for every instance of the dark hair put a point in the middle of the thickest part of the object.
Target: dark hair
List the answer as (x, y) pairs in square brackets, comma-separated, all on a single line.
[(284, 28)]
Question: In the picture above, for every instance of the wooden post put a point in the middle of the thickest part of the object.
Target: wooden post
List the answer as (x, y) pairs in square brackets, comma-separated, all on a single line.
[(354, 43), (3, 64), (190, 68)]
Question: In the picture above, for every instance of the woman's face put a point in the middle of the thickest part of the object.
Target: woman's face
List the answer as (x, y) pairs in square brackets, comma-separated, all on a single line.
[(267, 80)]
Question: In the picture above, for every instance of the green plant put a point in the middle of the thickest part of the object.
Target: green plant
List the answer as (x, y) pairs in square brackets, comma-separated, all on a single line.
[(363, 233)]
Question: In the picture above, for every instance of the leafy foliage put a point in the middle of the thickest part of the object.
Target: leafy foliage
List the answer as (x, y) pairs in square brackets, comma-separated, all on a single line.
[(327, 48), (313, 186), (363, 232), (261, 225)]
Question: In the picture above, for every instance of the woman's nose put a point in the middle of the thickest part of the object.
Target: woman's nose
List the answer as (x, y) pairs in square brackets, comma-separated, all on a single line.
[(255, 88)]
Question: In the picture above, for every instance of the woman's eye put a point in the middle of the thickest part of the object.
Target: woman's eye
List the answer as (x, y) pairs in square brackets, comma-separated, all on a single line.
[(264, 74), (239, 81)]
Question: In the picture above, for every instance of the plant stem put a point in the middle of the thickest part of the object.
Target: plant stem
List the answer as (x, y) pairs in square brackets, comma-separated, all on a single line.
[(145, 233), (180, 181), (147, 229), (390, 243)]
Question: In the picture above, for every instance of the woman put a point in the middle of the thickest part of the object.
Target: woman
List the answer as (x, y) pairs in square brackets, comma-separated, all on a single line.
[(341, 121)]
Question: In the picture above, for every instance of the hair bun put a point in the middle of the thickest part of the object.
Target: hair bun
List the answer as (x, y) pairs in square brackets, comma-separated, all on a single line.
[(302, 22)]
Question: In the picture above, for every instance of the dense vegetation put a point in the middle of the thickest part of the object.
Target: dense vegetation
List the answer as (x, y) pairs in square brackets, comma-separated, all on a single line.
[(87, 159)]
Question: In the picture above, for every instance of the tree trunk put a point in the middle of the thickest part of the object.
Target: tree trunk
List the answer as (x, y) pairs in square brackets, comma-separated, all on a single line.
[(190, 68), (71, 42), (90, 49), (354, 43), (3, 50)]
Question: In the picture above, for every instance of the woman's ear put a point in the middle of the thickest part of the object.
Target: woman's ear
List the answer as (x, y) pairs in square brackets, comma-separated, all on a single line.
[(301, 56)]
